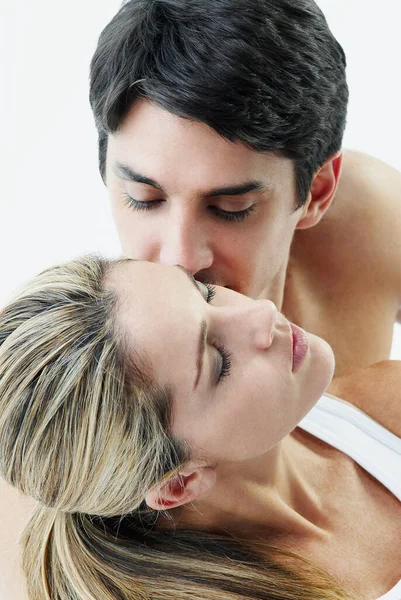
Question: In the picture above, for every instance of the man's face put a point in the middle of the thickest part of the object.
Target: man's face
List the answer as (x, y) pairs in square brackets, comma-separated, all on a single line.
[(182, 194)]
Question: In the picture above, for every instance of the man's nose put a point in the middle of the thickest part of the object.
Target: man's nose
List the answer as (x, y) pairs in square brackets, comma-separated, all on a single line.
[(185, 242)]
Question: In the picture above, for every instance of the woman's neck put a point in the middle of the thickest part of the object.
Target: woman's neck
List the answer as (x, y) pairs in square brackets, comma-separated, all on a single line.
[(278, 494)]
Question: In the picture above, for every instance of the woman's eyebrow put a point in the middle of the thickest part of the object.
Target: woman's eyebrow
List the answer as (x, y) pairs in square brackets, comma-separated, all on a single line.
[(201, 351)]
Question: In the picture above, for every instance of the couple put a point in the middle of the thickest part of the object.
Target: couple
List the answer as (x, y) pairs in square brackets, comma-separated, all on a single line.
[(173, 436)]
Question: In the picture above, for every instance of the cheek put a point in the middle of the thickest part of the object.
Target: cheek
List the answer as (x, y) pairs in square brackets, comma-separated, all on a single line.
[(250, 420), (260, 249), (239, 256), (136, 241), (268, 406)]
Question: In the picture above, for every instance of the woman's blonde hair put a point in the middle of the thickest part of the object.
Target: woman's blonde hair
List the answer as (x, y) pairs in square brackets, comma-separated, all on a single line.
[(85, 432)]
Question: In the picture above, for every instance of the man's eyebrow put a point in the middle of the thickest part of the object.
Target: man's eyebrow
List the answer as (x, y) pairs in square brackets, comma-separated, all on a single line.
[(125, 172), (238, 190), (202, 333)]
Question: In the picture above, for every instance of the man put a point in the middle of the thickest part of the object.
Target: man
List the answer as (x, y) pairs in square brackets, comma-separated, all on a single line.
[(220, 128)]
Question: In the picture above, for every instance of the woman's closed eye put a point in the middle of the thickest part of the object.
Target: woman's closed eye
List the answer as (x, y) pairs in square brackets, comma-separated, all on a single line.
[(225, 363), (224, 368), (211, 292), (208, 291)]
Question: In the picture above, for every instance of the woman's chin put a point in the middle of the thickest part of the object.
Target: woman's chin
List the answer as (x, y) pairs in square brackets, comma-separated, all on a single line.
[(322, 363), (329, 359)]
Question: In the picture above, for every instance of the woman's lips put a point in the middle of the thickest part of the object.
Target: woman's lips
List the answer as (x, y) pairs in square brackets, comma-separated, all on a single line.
[(300, 346)]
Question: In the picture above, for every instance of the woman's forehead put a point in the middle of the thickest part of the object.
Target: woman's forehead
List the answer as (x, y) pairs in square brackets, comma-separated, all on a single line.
[(131, 278)]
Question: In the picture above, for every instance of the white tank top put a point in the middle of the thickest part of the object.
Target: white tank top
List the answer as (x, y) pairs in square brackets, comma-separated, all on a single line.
[(368, 443)]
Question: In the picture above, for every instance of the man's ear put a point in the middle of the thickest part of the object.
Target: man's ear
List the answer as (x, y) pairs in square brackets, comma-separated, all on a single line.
[(182, 488), (322, 192)]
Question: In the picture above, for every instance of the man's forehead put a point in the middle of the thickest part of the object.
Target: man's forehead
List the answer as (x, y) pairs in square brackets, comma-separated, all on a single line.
[(152, 134)]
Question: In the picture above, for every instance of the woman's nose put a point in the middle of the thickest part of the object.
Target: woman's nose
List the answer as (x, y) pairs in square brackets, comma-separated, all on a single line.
[(253, 322), (263, 320)]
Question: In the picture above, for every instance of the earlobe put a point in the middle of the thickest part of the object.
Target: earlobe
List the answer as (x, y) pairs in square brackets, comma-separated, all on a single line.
[(181, 489), (322, 192)]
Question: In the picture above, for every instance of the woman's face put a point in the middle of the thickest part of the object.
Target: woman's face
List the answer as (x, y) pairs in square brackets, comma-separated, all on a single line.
[(238, 386)]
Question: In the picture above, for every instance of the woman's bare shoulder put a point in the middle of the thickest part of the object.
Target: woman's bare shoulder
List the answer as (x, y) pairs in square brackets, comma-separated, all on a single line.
[(15, 511), (376, 390)]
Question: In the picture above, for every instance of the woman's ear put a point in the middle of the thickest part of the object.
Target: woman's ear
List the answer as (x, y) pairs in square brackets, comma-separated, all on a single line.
[(181, 488), (322, 192)]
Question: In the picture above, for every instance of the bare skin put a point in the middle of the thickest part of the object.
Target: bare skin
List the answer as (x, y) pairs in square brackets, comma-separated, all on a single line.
[(301, 496), (360, 548), (349, 295), (333, 266), (344, 275)]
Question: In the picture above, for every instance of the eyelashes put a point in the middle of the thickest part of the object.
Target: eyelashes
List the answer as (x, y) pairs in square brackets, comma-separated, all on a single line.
[(137, 205), (211, 292), (225, 215), (225, 355), (226, 363)]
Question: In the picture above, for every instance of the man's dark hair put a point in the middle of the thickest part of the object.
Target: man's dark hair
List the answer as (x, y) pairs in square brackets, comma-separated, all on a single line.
[(268, 73)]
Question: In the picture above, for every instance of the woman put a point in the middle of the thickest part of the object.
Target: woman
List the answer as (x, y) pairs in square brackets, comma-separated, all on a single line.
[(161, 428)]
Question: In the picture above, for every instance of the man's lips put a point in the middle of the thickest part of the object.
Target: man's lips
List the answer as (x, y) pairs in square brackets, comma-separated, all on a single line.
[(300, 346)]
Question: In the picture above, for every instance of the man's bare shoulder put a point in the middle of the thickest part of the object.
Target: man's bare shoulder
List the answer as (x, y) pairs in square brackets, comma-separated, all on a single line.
[(344, 276), (359, 237), (15, 511), (359, 163), (376, 390), (369, 186), (364, 217), (368, 202), (364, 171)]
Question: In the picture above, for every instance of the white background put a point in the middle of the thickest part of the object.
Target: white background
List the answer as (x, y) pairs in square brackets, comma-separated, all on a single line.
[(53, 203)]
